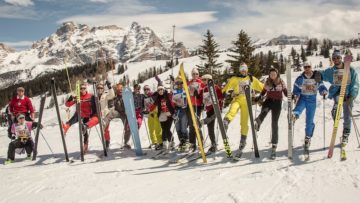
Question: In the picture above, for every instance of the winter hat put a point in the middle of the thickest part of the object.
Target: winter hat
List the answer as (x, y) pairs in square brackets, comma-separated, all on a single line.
[(306, 64), (146, 87), (100, 85), (243, 66), (195, 70), (336, 53), (20, 115), (160, 87), (20, 89), (206, 77), (273, 70)]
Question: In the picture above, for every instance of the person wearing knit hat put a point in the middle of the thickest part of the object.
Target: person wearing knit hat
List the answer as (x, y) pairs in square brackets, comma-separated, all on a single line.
[(236, 86), (210, 113), (334, 76), (196, 86)]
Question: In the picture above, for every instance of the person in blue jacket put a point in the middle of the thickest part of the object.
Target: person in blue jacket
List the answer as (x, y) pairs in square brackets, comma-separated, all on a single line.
[(333, 75), (305, 91)]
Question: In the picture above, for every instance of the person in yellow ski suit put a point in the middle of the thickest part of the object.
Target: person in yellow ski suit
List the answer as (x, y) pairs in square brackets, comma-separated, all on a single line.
[(153, 120), (236, 86)]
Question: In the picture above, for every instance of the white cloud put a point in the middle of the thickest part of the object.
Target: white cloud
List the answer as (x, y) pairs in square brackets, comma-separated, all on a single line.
[(269, 19), (16, 12), (99, 1), (23, 3), (160, 23)]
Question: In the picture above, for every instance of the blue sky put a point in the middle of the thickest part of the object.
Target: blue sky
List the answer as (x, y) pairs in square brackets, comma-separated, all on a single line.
[(24, 21)]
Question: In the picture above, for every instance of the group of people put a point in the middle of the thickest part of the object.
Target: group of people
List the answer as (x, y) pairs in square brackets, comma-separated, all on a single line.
[(169, 106)]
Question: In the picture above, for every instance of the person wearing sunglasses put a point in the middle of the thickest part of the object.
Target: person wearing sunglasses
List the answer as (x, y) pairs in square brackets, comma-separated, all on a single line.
[(163, 100), (87, 111), (210, 113), (153, 120), (236, 86), (273, 92), (334, 75), (196, 85), (181, 112), (105, 96), (20, 104), (21, 137), (305, 91)]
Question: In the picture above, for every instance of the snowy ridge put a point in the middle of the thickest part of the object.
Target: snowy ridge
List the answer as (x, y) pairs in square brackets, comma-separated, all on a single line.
[(78, 44)]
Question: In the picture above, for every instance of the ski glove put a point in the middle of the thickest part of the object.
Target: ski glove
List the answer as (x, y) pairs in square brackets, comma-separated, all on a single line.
[(258, 98)]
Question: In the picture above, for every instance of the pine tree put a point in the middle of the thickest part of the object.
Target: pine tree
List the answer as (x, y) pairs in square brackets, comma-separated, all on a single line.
[(302, 54), (209, 54), (242, 52), (309, 48)]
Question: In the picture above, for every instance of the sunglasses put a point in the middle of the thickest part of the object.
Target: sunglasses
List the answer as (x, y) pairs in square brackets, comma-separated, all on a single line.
[(195, 74), (100, 88), (83, 88), (307, 67)]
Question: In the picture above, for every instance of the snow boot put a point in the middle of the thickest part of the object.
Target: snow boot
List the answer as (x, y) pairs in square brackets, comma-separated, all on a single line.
[(273, 151), (306, 148), (241, 147)]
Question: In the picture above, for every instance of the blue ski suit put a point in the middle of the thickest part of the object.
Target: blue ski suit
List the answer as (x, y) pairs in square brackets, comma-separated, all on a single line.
[(306, 90)]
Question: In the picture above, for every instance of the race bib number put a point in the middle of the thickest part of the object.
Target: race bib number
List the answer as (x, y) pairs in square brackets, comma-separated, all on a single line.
[(193, 87), (338, 76), (242, 84), (207, 99), (148, 103), (178, 100), (309, 87)]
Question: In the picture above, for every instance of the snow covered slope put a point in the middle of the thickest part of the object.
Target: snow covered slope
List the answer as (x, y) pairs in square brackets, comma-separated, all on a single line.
[(123, 177)]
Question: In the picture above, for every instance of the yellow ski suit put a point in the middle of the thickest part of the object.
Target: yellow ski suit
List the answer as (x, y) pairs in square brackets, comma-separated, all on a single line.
[(239, 100), (154, 127)]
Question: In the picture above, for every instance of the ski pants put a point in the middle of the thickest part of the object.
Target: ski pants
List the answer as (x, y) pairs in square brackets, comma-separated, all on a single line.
[(192, 132), (310, 106), (211, 127), (74, 119), (346, 112), (166, 129), (94, 121), (236, 104), (182, 124), (154, 128), (13, 145), (10, 122), (115, 114), (275, 107)]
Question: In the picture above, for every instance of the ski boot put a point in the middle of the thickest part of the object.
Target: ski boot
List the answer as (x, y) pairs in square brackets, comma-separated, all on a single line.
[(273, 152), (8, 161), (212, 149), (158, 147), (126, 146), (306, 148), (107, 144), (344, 141), (28, 157), (172, 146), (257, 124), (241, 147), (192, 147), (166, 147)]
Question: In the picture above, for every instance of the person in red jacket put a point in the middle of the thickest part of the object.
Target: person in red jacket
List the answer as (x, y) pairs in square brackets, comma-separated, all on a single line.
[(196, 86), (210, 113), (20, 104), (87, 111)]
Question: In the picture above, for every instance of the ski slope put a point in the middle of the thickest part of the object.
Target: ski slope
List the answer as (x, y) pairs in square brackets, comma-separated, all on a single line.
[(123, 177)]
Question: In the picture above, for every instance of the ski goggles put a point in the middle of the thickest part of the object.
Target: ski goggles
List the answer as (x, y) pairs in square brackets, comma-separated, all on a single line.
[(242, 68)]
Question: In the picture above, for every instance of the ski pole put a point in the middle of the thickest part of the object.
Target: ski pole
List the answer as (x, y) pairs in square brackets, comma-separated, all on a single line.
[(147, 132), (97, 131), (355, 126), (324, 98), (47, 144)]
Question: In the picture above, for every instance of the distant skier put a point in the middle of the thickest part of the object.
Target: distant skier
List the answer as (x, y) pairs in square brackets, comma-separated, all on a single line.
[(305, 90), (21, 137), (273, 92), (88, 110), (235, 87), (210, 113), (20, 104), (334, 75)]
